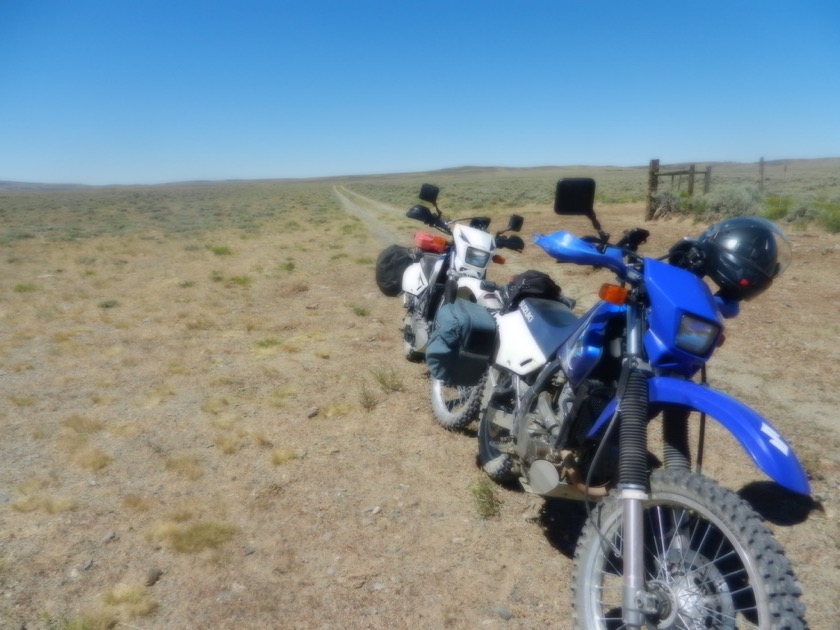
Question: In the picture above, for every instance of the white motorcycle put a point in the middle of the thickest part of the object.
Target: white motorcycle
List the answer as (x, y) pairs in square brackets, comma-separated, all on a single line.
[(446, 269)]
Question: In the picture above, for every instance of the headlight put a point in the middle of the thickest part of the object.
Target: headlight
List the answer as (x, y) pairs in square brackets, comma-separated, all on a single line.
[(696, 335), (477, 257)]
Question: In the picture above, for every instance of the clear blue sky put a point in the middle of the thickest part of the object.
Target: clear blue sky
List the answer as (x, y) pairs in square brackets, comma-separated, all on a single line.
[(151, 91)]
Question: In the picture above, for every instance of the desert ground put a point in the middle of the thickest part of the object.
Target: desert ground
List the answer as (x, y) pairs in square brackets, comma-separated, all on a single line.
[(213, 426)]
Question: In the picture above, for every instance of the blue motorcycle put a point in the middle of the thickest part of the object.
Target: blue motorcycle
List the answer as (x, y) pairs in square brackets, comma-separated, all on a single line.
[(566, 408)]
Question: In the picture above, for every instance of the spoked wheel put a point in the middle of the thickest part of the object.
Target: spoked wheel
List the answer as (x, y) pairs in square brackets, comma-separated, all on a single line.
[(709, 562), (455, 407), (496, 399)]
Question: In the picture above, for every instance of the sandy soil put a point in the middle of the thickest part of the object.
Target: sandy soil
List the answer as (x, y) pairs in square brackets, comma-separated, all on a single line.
[(200, 438)]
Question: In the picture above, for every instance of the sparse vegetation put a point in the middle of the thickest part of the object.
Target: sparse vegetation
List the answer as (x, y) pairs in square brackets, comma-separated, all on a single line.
[(367, 399), (269, 342), (388, 379), (247, 438), (82, 424), (186, 466), (186, 537), (282, 456), (242, 281), (26, 287), (130, 601), (487, 502)]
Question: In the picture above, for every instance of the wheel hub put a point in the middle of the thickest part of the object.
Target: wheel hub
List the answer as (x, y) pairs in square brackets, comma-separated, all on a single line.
[(690, 594)]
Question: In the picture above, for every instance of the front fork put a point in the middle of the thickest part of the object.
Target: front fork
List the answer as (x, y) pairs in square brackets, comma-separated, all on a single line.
[(633, 470)]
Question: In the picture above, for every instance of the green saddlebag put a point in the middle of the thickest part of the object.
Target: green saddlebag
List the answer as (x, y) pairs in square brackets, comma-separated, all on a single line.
[(462, 343)]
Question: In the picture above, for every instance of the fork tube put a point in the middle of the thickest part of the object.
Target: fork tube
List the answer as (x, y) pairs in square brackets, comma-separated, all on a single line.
[(701, 438), (633, 470)]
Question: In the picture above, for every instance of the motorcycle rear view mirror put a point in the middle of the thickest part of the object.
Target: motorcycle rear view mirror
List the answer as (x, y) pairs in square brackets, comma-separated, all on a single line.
[(575, 196), (429, 194), (511, 242), (515, 223), (422, 214)]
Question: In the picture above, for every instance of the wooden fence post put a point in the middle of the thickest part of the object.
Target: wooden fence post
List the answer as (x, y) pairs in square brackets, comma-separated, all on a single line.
[(691, 180), (761, 174), (653, 182), (707, 180)]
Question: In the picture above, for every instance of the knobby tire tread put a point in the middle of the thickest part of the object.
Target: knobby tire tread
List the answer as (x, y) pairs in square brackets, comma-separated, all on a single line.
[(778, 581), (457, 421)]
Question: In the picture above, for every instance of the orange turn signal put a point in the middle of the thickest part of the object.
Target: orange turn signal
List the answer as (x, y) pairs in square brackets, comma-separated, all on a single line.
[(499, 260), (613, 294)]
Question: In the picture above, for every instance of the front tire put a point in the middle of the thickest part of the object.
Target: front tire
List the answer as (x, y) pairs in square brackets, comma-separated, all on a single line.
[(455, 407), (709, 562), (497, 398)]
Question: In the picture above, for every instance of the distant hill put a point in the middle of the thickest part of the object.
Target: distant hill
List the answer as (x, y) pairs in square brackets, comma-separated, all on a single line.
[(800, 164), (29, 186)]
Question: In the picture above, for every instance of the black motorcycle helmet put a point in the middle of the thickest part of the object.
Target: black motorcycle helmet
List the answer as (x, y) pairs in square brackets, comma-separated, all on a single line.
[(743, 255)]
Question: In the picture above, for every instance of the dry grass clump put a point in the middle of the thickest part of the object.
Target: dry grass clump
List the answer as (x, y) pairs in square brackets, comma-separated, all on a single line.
[(487, 503), (215, 405), (367, 399), (49, 504), (92, 458), (99, 620), (137, 503), (22, 401), (191, 537), (186, 466), (261, 438), (388, 379), (282, 456), (335, 410), (80, 450), (280, 395), (227, 444), (129, 601), (224, 421), (82, 424)]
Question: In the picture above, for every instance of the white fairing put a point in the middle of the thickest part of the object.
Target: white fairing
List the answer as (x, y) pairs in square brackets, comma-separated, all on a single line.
[(482, 243), (413, 280), (518, 352)]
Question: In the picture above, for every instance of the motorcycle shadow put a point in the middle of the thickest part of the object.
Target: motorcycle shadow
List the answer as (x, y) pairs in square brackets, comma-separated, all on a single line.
[(777, 504), (562, 521)]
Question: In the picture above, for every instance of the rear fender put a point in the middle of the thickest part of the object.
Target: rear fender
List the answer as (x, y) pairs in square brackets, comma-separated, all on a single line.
[(762, 442)]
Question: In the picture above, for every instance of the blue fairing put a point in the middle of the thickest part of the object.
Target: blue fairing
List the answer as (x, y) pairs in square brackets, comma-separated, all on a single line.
[(565, 247), (674, 292), (582, 350), (767, 448)]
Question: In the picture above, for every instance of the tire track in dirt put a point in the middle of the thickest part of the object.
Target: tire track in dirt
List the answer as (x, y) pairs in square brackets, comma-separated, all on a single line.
[(373, 203), (366, 210)]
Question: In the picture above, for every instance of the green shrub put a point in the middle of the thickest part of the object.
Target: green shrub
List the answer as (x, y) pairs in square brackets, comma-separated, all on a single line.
[(487, 503), (26, 288)]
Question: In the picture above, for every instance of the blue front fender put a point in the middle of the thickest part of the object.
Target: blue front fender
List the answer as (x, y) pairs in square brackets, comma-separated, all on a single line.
[(767, 448)]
